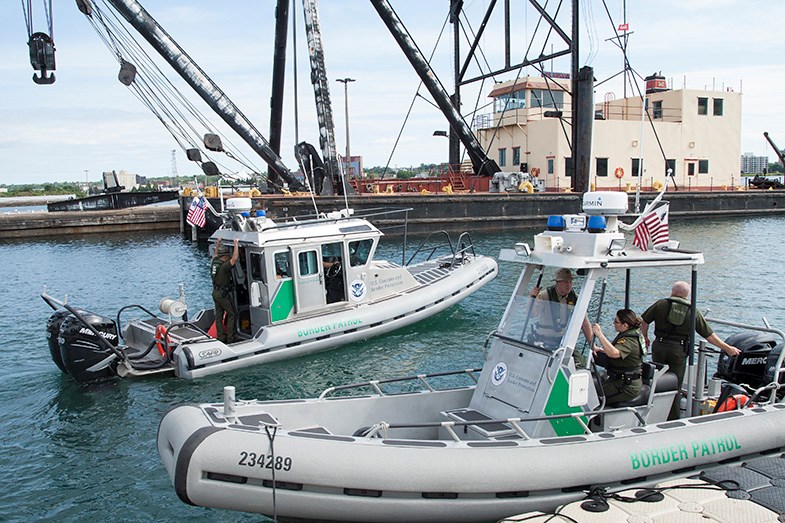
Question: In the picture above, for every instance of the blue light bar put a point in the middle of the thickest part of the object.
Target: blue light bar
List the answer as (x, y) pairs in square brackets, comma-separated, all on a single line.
[(596, 224), (556, 223)]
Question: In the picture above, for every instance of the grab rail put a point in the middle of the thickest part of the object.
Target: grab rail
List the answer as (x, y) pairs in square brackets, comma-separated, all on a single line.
[(464, 246), (422, 378), (433, 248), (513, 422)]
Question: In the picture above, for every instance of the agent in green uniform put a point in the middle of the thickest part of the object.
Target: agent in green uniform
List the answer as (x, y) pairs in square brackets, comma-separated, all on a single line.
[(221, 272), (625, 356), (553, 310), (671, 318)]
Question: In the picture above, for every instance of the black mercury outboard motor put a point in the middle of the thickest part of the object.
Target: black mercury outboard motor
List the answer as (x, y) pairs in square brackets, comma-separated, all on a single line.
[(53, 333), (755, 365), (83, 356)]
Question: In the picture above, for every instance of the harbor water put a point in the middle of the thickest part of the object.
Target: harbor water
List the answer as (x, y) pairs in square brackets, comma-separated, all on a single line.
[(79, 453)]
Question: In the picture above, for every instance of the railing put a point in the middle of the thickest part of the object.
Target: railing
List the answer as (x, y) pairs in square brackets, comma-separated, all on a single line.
[(513, 422), (422, 378), (465, 245)]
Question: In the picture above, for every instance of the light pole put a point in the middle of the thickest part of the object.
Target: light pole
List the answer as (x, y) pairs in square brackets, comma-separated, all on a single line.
[(345, 82)]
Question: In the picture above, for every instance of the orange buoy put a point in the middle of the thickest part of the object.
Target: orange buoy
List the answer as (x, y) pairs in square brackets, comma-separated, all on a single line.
[(734, 402), (160, 336)]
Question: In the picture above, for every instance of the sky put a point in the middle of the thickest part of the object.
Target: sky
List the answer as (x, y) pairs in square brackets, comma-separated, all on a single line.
[(87, 122)]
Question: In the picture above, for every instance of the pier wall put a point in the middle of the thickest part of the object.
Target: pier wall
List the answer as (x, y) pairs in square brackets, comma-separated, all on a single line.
[(498, 212), (40, 224), (453, 213)]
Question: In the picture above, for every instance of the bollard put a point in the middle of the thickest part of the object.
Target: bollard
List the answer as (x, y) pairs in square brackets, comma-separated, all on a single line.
[(229, 402)]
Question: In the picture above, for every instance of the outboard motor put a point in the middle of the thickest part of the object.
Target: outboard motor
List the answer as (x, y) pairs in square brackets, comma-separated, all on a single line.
[(85, 357), (53, 335), (755, 364)]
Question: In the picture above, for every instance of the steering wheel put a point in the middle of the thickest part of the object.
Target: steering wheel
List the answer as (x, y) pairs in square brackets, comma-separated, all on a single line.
[(333, 270)]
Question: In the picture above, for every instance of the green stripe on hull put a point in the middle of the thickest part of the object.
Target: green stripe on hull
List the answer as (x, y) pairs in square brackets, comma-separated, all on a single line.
[(283, 303), (557, 404)]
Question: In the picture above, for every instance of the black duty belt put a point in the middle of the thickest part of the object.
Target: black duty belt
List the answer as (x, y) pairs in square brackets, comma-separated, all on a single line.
[(627, 375), (670, 339)]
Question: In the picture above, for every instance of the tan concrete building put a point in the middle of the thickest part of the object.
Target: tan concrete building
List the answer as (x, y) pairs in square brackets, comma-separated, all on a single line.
[(698, 135)]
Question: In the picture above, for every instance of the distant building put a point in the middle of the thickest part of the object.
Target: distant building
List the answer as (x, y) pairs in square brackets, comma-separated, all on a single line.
[(3, 189), (698, 133), (128, 180), (751, 164), (355, 167)]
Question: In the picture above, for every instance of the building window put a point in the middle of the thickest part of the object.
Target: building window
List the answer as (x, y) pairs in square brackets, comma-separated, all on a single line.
[(509, 102), (637, 166), (670, 167), (568, 167), (602, 167), (703, 167), (550, 165), (545, 98), (656, 110), (502, 157), (718, 107), (516, 155), (703, 106)]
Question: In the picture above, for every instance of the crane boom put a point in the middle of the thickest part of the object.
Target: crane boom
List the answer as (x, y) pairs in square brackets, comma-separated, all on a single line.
[(776, 149)]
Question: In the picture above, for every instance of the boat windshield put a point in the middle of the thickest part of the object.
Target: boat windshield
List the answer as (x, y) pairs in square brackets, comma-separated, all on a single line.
[(539, 315)]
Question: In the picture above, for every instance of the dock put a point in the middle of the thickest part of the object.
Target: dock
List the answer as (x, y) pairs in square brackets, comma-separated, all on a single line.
[(41, 224), (449, 212), (501, 211), (751, 491)]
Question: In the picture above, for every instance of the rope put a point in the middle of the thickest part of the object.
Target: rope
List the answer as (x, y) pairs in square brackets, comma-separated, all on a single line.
[(271, 438), (156, 92)]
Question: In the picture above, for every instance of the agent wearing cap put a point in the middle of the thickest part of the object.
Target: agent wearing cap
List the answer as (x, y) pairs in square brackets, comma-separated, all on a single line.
[(553, 320), (221, 272)]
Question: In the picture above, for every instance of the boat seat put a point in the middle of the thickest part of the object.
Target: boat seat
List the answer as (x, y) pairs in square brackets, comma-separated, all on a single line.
[(662, 382), (486, 430), (647, 374)]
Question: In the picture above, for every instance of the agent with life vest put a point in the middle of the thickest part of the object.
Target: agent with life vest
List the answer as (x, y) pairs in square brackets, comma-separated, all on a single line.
[(221, 272), (624, 357), (671, 318), (555, 306)]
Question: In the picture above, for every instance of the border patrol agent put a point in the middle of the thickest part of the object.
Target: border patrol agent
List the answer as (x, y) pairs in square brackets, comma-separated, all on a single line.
[(624, 357), (671, 318), (221, 273)]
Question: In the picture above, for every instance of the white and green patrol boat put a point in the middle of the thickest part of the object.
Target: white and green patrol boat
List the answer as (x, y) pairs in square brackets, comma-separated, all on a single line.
[(528, 431), (300, 286)]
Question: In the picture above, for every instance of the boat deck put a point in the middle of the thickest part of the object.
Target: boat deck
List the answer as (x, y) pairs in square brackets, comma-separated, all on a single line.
[(752, 491), (432, 271)]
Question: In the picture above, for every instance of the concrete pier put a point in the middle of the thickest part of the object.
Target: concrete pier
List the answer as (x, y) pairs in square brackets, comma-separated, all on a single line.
[(39, 224), (453, 213), (503, 211)]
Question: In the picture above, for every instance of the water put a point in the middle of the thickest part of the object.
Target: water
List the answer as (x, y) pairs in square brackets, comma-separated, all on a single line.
[(76, 453)]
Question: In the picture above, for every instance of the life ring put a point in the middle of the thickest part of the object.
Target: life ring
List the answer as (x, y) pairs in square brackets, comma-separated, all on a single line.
[(619, 173), (735, 402), (526, 187), (160, 336), (535, 171), (657, 185), (369, 187)]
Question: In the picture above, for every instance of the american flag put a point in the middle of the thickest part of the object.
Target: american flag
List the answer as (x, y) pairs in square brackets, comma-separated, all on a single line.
[(196, 212), (653, 228)]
